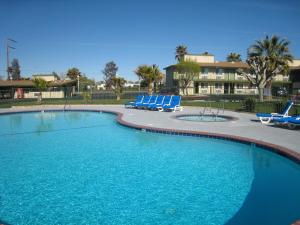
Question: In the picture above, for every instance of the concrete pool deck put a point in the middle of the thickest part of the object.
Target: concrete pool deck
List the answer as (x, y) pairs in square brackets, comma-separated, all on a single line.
[(245, 128)]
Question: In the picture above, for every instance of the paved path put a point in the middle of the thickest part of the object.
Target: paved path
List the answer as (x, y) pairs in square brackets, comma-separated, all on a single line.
[(246, 126)]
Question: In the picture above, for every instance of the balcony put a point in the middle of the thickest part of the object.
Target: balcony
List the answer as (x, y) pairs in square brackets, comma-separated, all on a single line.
[(220, 77)]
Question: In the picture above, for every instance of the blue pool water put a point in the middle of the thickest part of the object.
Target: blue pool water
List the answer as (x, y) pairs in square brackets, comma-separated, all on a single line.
[(84, 168)]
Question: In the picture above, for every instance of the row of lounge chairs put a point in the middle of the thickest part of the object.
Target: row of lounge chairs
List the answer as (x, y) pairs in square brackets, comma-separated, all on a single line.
[(156, 102), (282, 118)]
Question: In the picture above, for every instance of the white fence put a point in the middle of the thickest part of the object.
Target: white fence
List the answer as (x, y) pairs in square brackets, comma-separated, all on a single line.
[(45, 94)]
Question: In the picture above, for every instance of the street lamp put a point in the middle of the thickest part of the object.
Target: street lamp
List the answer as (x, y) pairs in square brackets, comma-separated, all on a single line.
[(78, 76), (8, 40)]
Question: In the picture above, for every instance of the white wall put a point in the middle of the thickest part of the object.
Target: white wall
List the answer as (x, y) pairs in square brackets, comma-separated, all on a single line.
[(45, 94)]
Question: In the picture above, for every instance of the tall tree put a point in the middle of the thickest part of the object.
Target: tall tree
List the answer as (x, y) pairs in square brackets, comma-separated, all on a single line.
[(186, 72), (266, 59), (181, 50), (118, 86), (157, 76), (233, 57), (149, 74), (41, 85), (109, 72), (73, 73), (274, 48), (15, 70)]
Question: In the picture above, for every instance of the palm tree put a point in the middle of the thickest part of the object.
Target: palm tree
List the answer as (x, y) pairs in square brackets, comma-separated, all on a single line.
[(234, 57), (157, 75), (275, 49), (266, 59), (149, 74), (181, 50)]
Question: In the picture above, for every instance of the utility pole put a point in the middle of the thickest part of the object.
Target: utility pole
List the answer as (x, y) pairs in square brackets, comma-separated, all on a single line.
[(8, 40)]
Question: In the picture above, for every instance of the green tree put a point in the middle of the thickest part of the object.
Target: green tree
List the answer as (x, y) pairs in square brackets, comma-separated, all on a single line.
[(186, 73), (15, 70), (233, 57), (109, 72), (41, 85), (266, 59), (73, 73), (86, 83), (149, 75), (181, 50), (118, 86)]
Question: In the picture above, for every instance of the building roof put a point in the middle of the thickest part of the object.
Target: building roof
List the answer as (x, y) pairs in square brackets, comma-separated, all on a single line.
[(29, 83), (46, 75), (293, 68), (201, 54), (225, 65), (233, 65)]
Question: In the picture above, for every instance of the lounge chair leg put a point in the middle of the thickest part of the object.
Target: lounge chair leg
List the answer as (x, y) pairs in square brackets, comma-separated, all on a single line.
[(291, 126), (265, 121)]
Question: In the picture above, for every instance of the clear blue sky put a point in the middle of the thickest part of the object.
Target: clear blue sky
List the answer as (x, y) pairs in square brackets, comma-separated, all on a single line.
[(54, 35)]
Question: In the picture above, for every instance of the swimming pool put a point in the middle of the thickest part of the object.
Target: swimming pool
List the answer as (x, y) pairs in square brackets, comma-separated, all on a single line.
[(84, 168)]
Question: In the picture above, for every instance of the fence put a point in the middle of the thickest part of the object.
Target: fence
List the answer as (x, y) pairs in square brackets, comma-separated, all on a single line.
[(63, 95)]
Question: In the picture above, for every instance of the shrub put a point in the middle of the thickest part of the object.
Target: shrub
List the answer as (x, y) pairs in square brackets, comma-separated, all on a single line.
[(249, 104), (87, 97)]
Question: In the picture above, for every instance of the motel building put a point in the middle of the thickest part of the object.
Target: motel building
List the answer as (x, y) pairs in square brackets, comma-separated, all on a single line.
[(221, 78), (25, 89)]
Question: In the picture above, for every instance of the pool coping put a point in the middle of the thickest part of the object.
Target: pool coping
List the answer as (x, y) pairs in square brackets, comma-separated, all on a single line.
[(280, 150), (229, 118)]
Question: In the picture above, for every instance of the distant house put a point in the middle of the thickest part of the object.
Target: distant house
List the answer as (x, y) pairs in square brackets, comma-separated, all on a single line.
[(219, 77), (129, 84), (25, 89), (47, 77), (132, 84), (100, 85)]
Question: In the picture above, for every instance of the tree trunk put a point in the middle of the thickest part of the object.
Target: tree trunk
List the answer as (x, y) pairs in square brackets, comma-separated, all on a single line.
[(186, 91), (269, 86), (39, 99), (118, 97), (261, 94), (150, 89)]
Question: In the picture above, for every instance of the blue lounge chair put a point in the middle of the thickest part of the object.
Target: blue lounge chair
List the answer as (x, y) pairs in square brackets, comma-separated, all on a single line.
[(291, 121), (152, 100), (294, 122), (139, 99), (146, 100), (269, 117), (167, 101), (159, 102), (174, 104)]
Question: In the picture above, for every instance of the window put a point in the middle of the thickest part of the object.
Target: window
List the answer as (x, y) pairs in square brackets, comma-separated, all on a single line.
[(204, 85), (239, 86), (220, 71), (204, 74), (218, 85), (205, 70)]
